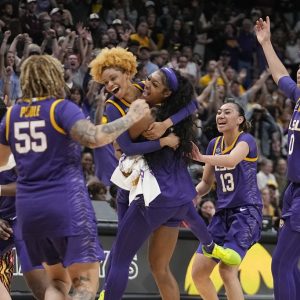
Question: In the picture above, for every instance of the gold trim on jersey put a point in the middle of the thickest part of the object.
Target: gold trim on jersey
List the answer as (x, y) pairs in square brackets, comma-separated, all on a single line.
[(8, 113), (119, 108), (35, 99), (231, 146), (138, 86), (251, 159), (52, 118), (216, 144), (125, 102)]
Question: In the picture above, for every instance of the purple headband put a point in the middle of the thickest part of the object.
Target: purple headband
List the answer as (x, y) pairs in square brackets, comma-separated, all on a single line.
[(171, 78)]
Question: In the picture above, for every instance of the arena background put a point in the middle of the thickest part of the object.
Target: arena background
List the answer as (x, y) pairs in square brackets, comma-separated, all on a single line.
[(255, 271)]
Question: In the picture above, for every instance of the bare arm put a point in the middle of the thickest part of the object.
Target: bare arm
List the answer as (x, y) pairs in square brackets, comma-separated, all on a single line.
[(204, 186), (93, 136), (263, 34), (230, 160), (8, 189), (259, 83), (4, 154)]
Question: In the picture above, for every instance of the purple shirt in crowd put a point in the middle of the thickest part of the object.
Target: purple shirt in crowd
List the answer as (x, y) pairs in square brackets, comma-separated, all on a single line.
[(236, 186), (52, 198)]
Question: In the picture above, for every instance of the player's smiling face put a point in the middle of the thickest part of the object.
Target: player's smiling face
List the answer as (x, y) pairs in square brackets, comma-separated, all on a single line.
[(228, 117), (115, 81), (155, 91)]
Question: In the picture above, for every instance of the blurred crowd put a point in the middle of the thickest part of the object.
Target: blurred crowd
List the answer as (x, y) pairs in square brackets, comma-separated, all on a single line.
[(211, 42)]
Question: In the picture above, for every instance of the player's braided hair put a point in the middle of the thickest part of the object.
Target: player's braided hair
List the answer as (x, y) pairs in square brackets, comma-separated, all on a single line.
[(41, 76)]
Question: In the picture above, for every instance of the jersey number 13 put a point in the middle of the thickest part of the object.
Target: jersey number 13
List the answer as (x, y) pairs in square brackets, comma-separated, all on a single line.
[(227, 182)]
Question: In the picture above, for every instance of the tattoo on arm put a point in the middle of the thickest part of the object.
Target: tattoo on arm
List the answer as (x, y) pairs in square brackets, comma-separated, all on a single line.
[(84, 132), (93, 136)]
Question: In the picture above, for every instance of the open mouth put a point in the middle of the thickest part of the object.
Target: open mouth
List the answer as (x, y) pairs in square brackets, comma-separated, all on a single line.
[(115, 90)]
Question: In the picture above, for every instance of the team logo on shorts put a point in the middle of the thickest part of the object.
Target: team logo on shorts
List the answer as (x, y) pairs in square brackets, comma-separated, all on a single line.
[(281, 223)]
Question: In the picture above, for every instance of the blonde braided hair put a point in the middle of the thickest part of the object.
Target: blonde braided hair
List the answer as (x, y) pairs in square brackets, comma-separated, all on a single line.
[(41, 76)]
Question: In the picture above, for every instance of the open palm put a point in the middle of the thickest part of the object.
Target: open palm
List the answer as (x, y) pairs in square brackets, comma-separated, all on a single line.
[(262, 30)]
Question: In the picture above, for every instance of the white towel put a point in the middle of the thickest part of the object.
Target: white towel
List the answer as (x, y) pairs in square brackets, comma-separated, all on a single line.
[(133, 174), (10, 164)]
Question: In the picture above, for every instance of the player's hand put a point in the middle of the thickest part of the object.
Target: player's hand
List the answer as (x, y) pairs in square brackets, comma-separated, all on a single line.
[(155, 131), (5, 230), (262, 30), (196, 154), (138, 109), (171, 141)]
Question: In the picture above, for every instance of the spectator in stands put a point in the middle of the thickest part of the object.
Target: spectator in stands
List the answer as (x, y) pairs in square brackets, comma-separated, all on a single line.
[(144, 57), (206, 209), (265, 173), (280, 175), (10, 22), (88, 167), (143, 36), (30, 22), (9, 80), (97, 28), (264, 129), (97, 190)]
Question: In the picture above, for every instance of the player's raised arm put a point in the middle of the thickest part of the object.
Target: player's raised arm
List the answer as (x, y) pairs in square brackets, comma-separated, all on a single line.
[(263, 34)]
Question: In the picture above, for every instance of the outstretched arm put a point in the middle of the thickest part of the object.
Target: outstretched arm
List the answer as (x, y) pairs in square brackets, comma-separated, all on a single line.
[(263, 34), (204, 186), (230, 160), (87, 134)]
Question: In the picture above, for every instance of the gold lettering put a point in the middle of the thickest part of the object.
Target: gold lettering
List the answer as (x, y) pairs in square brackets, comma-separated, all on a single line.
[(29, 112)]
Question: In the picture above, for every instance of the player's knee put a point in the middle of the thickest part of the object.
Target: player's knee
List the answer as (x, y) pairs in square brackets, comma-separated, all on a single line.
[(159, 268), (228, 274), (199, 273)]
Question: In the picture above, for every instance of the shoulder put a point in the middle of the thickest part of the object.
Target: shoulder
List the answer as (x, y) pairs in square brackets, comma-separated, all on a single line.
[(212, 145), (113, 109), (247, 137)]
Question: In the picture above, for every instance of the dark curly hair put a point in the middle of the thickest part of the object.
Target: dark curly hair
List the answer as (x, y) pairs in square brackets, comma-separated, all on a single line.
[(185, 129)]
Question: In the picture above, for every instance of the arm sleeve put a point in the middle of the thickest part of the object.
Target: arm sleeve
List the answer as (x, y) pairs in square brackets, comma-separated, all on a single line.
[(127, 145), (289, 87), (67, 114), (184, 112)]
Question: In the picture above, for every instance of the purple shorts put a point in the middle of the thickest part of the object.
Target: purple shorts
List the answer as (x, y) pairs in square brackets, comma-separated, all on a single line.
[(15, 241), (291, 205), (237, 228), (66, 250), (123, 198)]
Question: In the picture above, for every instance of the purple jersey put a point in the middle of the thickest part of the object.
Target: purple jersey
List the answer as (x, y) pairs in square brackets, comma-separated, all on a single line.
[(169, 170), (236, 186), (52, 198), (291, 90)]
